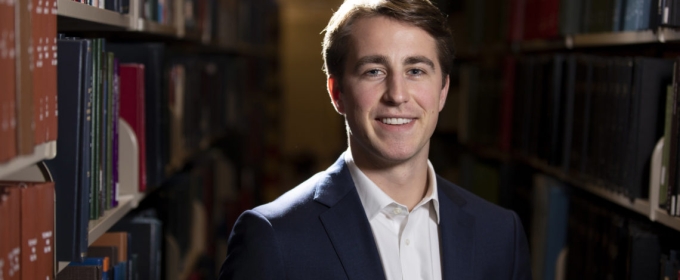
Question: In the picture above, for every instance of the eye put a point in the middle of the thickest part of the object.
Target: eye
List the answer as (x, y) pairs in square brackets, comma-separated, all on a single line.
[(416, 72), (373, 72)]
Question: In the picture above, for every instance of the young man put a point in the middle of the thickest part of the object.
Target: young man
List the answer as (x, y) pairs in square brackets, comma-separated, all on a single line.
[(381, 212)]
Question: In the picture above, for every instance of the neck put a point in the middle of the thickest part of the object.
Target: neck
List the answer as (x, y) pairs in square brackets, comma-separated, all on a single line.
[(406, 182)]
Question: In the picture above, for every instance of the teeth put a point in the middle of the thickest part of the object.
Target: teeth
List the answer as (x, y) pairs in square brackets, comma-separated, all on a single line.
[(395, 121)]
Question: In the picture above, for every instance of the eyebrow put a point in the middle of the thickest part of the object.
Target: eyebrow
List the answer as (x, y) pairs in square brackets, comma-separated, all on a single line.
[(419, 59), (371, 59), (382, 60)]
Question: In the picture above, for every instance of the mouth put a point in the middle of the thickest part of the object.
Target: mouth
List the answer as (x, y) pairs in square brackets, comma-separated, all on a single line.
[(396, 121)]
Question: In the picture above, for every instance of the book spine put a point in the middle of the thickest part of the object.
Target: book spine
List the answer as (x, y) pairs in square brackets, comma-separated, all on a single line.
[(116, 117), (8, 133), (24, 78), (109, 132), (663, 191), (95, 184)]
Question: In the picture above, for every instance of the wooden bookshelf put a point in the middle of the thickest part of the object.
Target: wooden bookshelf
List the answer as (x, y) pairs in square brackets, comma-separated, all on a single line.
[(151, 27), (111, 217), (638, 205), (76, 16), (40, 152)]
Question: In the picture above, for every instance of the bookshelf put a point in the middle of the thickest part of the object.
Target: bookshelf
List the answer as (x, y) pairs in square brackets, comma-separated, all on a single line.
[(78, 16), (150, 27), (660, 35), (641, 206)]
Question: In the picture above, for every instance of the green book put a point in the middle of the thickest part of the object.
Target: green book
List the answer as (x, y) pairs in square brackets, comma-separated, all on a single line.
[(109, 132), (663, 190), (94, 183)]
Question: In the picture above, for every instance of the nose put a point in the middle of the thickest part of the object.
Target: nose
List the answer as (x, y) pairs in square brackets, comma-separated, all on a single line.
[(396, 92)]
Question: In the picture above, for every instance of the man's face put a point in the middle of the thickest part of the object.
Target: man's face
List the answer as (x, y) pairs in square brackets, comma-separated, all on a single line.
[(391, 92)]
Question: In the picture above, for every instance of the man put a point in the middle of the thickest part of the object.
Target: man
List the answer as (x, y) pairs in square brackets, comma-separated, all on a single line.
[(380, 212)]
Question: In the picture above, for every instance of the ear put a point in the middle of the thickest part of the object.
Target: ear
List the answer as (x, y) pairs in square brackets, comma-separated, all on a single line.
[(444, 93), (333, 85)]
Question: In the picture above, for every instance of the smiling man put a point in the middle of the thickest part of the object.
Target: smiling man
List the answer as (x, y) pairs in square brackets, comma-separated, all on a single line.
[(381, 212)]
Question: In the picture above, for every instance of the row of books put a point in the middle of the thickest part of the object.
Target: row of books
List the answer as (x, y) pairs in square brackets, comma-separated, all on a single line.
[(95, 91), (494, 21), (601, 243), (174, 104), (195, 207), (129, 251), (230, 21), (597, 118), (28, 63), (605, 244), (669, 185), (26, 230)]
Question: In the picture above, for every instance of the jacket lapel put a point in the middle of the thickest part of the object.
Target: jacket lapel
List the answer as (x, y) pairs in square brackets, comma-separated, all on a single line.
[(456, 230), (346, 224)]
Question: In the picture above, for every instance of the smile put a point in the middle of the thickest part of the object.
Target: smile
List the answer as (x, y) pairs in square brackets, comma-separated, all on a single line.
[(395, 121)]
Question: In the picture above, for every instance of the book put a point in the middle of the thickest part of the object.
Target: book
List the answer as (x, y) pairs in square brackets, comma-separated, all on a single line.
[(663, 180), (73, 272), (147, 236), (8, 132), (69, 168), (117, 239), (24, 78), (45, 228), (132, 110), (646, 127), (549, 231)]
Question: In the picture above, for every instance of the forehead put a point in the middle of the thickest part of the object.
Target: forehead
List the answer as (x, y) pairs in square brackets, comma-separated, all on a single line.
[(380, 35)]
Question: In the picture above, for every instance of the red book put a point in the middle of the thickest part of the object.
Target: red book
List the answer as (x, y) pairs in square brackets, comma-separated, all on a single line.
[(531, 19), (132, 110), (549, 15), (29, 232), (25, 124), (4, 232), (45, 226), (12, 229), (38, 26), (8, 144), (507, 104), (51, 109)]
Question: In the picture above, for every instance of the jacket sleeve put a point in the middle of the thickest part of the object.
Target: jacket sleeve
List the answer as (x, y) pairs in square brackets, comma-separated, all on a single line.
[(253, 251), (522, 267)]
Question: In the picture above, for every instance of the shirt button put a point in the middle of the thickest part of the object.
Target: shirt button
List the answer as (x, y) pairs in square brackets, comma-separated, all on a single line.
[(397, 210), (408, 242)]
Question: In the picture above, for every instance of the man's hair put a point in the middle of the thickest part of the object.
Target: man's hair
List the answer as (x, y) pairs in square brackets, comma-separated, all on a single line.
[(419, 13)]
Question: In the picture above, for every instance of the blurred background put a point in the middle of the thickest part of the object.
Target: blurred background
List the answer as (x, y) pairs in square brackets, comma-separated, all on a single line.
[(163, 120)]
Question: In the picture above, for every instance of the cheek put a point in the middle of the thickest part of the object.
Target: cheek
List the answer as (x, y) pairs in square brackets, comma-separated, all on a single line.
[(428, 97)]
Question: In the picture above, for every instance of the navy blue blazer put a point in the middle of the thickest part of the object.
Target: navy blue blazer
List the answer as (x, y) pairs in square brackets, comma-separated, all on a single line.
[(319, 230)]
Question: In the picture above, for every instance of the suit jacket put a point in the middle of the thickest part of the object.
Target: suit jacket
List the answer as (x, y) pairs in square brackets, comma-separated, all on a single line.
[(319, 230)]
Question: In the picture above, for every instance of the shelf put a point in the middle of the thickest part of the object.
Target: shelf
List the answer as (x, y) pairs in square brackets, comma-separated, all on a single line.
[(662, 217), (41, 152), (615, 38), (640, 206), (152, 27), (82, 17), (111, 217)]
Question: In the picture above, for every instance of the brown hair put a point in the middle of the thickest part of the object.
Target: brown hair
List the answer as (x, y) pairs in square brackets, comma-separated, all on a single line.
[(420, 13)]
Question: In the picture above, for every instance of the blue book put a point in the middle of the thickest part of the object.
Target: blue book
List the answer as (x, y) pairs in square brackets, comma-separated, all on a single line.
[(549, 231), (120, 271)]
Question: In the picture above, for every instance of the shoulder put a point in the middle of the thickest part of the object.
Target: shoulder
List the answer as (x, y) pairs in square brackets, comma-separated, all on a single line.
[(294, 204)]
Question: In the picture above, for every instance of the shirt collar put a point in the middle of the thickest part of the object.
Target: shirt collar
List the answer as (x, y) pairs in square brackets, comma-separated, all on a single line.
[(374, 199)]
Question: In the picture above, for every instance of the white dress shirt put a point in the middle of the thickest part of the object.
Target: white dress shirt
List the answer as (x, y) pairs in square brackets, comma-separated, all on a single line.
[(408, 242)]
